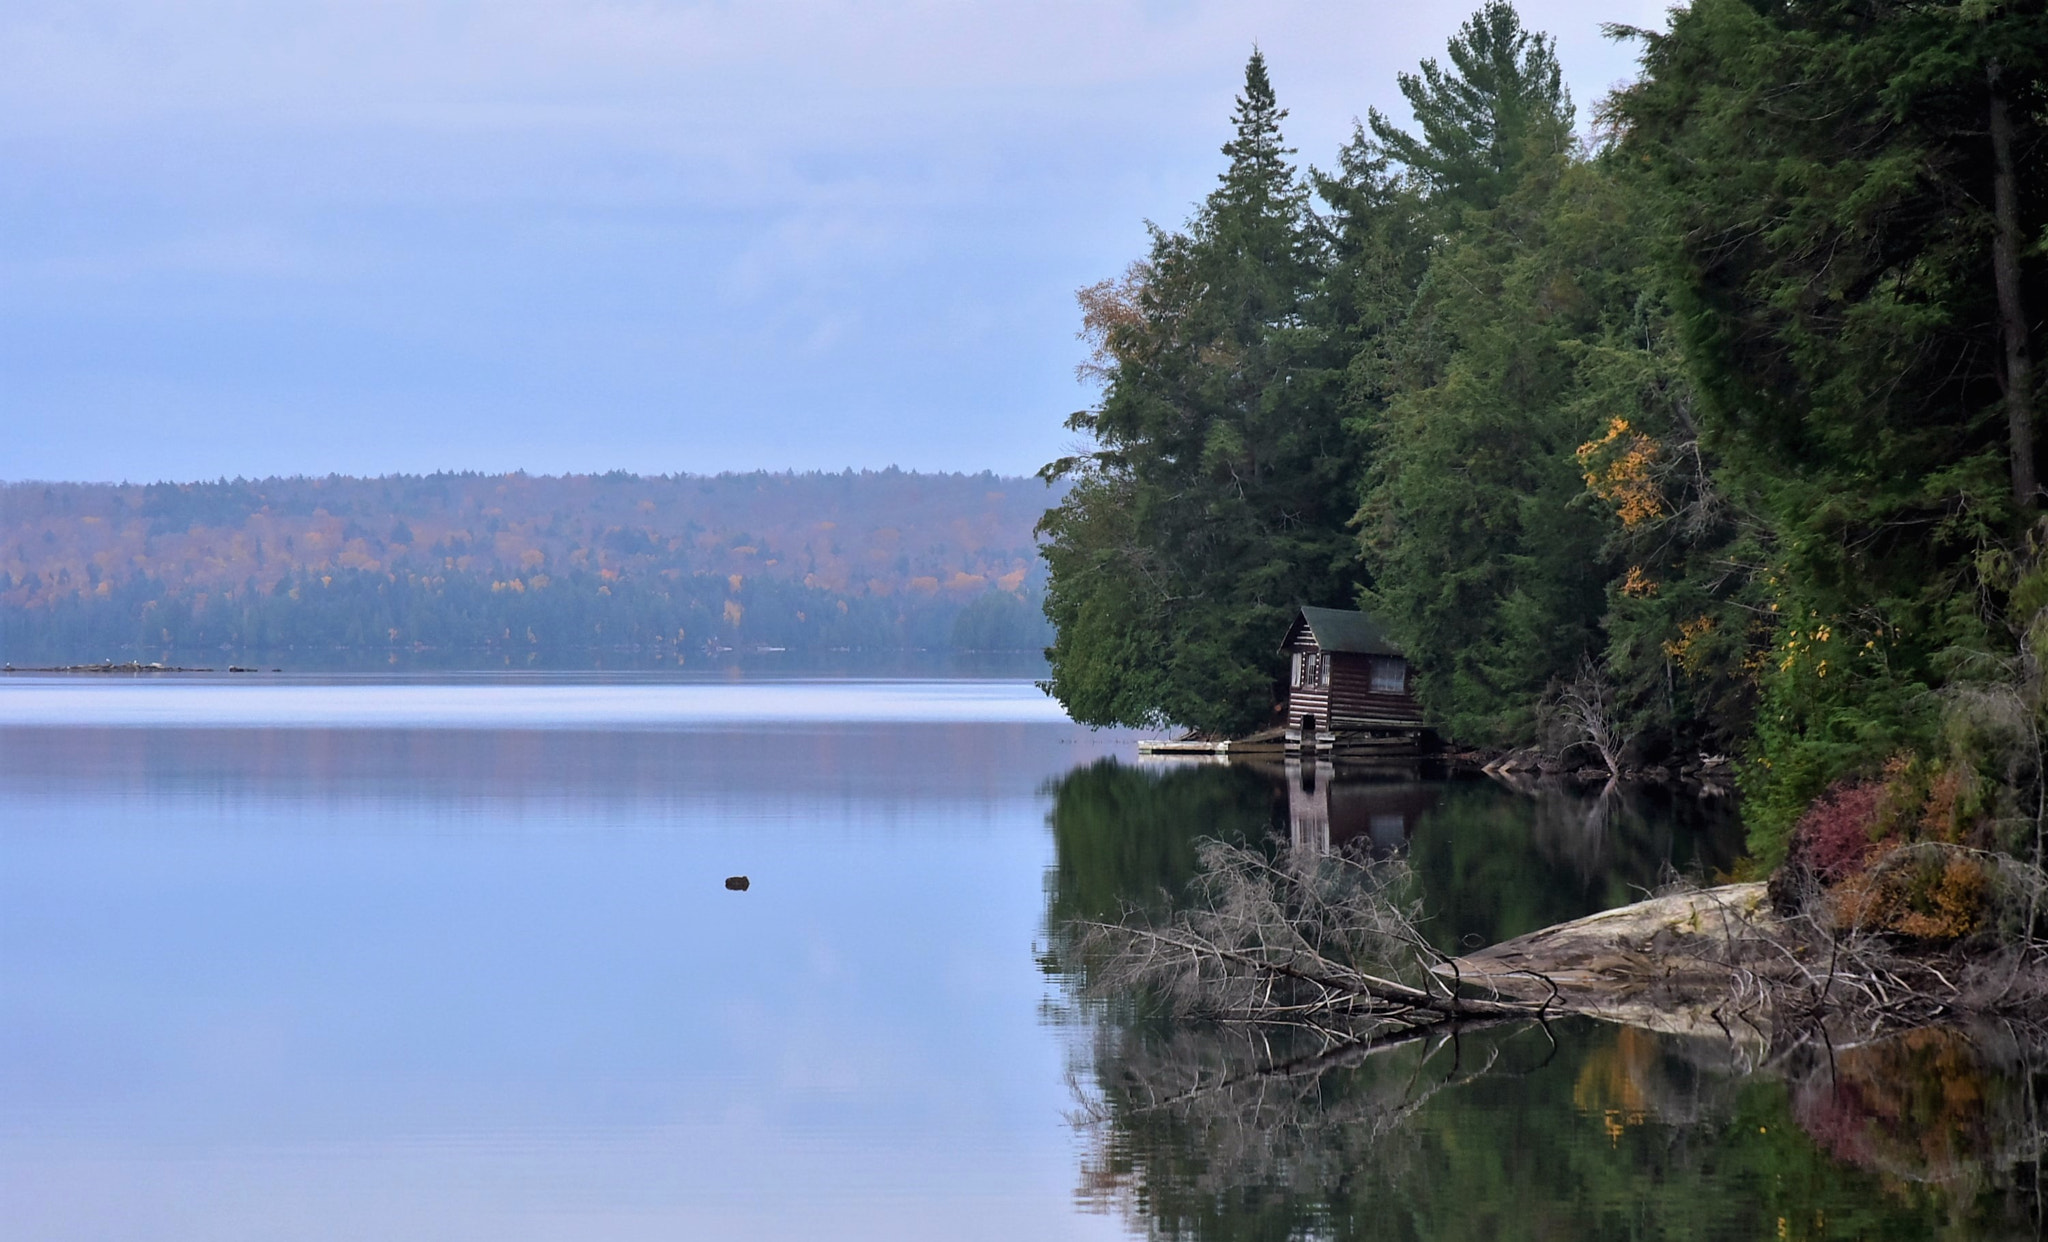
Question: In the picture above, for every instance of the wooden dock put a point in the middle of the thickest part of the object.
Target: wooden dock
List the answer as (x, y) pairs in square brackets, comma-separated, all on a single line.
[(1287, 743), (1270, 744)]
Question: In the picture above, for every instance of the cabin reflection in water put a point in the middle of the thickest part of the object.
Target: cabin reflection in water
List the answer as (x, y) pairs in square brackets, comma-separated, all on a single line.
[(1364, 808)]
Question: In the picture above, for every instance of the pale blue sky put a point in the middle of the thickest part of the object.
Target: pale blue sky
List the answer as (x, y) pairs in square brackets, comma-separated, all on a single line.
[(267, 237)]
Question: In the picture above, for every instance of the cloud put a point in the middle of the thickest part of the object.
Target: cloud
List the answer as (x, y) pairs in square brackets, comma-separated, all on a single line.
[(523, 212)]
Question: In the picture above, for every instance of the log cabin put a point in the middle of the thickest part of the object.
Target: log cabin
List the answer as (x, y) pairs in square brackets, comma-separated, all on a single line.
[(1348, 687)]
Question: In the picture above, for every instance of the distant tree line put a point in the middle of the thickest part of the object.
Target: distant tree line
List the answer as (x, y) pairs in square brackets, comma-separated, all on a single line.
[(1723, 416), (519, 565)]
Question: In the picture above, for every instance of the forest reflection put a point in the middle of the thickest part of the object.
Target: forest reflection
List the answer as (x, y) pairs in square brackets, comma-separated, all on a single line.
[(1491, 862), (1574, 1129)]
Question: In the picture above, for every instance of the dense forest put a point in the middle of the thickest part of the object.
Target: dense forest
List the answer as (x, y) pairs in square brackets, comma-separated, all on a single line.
[(521, 566), (1715, 414)]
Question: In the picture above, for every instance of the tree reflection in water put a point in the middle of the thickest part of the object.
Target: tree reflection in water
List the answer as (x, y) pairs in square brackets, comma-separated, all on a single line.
[(1577, 1129)]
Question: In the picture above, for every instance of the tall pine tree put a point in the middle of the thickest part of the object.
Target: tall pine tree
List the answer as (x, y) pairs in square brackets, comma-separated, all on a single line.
[(1501, 102), (1211, 503)]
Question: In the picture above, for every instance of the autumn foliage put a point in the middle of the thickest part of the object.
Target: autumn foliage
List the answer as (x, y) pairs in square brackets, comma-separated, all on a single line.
[(1887, 855), (874, 558), (1834, 837)]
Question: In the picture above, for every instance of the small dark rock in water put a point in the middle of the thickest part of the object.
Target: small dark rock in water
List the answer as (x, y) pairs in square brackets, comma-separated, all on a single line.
[(737, 883)]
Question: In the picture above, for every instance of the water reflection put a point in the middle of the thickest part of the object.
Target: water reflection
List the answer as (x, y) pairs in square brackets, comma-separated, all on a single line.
[(413, 982), (511, 702), (1491, 862), (1582, 1130), (1371, 810), (1949, 1108), (1577, 1129)]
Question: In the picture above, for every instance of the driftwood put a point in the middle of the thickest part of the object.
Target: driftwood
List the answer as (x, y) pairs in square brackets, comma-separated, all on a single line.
[(1322, 942), (1673, 963)]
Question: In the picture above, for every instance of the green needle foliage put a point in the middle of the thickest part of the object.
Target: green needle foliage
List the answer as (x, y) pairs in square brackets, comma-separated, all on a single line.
[(1502, 102), (1827, 177), (1478, 555)]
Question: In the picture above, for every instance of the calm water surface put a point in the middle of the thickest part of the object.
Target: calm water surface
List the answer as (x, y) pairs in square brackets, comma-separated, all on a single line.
[(453, 959)]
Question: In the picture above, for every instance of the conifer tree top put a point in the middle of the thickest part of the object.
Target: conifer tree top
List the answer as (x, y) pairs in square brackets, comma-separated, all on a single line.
[(1503, 94), (1258, 160)]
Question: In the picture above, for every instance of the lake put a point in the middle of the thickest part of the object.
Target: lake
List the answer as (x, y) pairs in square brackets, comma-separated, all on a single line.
[(452, 957)]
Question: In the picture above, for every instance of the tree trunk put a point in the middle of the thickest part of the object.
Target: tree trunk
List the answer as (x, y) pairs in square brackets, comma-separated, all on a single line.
[(2012, 320)]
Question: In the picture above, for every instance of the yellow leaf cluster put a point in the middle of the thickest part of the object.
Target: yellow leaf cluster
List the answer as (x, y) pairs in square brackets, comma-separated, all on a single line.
[(1618, 469), (1938, 899), (1684, 649)]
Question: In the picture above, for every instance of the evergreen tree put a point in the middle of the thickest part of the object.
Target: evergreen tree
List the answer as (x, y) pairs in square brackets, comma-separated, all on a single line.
[(1378, 234), (1502, 102), (1734, 417), (1484, 559), (1212, 502)]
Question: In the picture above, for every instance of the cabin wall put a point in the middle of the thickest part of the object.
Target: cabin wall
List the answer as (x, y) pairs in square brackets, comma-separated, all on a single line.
[(1351, 698), (1345, 701), (1306, 700)]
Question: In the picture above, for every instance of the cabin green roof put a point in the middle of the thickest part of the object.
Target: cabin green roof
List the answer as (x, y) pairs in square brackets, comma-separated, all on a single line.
[(1343, 630)]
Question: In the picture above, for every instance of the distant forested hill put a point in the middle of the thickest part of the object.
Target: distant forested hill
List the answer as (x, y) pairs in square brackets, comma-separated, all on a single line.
[(519, 564)]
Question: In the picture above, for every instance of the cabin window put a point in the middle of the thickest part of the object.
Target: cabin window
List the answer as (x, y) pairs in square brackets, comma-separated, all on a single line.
[(1389, 676), (1310, 669)]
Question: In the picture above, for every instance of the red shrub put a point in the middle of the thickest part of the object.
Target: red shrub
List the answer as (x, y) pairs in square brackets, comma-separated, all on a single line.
[(1834, 836)]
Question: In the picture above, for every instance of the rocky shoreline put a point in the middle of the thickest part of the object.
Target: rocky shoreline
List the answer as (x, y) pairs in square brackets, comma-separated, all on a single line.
[(1713, 773)]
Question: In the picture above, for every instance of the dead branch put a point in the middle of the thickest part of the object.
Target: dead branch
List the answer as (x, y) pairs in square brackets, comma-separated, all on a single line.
[(1581, 713), (1319, 940)]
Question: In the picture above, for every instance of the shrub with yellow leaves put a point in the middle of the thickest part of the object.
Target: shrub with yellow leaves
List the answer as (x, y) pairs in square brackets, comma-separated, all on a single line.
[(1619, 469)]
